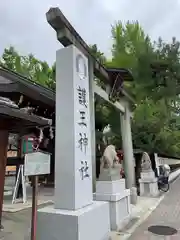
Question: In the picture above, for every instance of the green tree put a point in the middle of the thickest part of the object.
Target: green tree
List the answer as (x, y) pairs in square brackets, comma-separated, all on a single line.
[(29, 67), (156, 71), (97, 54), (156, 102)]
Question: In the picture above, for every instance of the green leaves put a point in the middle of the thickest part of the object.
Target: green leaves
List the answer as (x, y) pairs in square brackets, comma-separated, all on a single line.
[(156, 94), (29, 67), (156, 87)]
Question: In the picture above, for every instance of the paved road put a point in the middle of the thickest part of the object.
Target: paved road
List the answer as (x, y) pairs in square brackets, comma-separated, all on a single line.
[(166, 214)]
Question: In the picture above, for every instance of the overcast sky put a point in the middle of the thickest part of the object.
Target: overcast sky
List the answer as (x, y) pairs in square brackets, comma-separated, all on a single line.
[(23, 23)]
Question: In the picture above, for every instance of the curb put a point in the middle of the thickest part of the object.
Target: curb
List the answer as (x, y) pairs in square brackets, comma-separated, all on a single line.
[(147, 214), (124, 235), (7, 193), (24, 207), (143, 218), (174, 178)]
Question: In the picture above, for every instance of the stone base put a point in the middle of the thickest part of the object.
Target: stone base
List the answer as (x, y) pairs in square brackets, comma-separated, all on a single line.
[(110, 174), (110, 187), (133, 195), (90, 222), (119, 203), (149, 188)]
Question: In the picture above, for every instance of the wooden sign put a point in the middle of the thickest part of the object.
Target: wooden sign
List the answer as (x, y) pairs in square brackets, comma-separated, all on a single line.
[(36, 163)]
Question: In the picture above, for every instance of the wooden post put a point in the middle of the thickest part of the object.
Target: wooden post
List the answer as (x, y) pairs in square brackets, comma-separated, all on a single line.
[(34, 207), (3, 160)]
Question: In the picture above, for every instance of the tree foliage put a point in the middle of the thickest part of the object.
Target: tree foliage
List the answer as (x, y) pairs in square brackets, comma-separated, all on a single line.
[(156, 70), (29, 67)]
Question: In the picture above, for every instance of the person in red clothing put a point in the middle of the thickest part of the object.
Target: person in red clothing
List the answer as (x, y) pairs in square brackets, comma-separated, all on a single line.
[(120, 156)]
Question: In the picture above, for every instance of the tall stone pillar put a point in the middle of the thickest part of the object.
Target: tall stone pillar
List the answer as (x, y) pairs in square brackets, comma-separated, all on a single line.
[(125, 120), (74, 215), (92, 122)]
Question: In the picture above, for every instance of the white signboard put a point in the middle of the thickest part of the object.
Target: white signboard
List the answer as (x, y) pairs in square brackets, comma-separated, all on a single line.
[(36, 163)]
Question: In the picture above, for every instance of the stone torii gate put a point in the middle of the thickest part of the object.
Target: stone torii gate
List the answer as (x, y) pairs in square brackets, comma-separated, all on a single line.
[(75, 215), (67, 35)]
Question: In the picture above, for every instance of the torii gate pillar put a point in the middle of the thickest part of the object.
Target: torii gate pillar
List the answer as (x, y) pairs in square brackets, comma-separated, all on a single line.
[(125, 120)]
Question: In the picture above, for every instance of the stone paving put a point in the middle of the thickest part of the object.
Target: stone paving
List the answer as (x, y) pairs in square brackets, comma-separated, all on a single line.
[(17, 225), (45, 195), (166, 214)]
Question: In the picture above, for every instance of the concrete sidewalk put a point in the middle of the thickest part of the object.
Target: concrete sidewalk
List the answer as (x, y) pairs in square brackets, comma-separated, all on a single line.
[(17, 224), (45, 195), (174, 175), (140, 213)]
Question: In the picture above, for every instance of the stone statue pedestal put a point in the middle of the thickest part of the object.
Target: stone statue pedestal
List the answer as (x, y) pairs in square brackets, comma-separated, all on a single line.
[(110, 174), (118, 197), (148, 184)]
